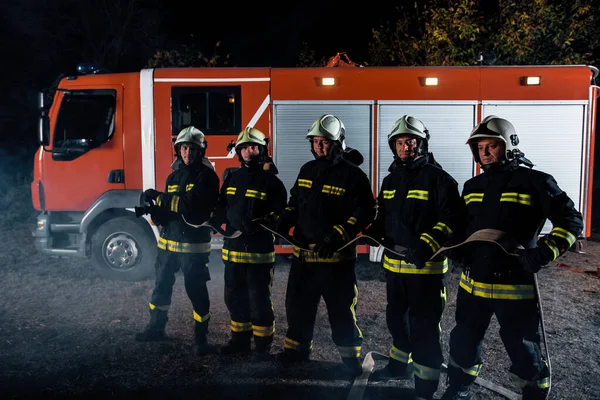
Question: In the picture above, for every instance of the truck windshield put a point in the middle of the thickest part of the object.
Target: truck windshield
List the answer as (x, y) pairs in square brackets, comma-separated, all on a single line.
[(86, 119)]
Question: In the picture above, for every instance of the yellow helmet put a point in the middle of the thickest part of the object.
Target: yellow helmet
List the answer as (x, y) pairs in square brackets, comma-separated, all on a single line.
[(251, 136)]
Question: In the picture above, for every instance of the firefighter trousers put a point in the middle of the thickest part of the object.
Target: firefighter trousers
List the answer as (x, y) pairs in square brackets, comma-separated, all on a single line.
[(248, 299), (415, 304), (519, 331), (336, 283), (195, 274)]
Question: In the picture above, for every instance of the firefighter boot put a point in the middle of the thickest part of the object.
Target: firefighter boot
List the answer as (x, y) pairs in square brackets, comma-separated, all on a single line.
[(262, 349), (535, 393), (155, 330), (351, 366), (458, 388), (240, 342), (289, 356), (394, 370), (203, 348)]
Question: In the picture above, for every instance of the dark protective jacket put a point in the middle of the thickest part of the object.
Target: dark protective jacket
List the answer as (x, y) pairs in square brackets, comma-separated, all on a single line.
[(419, 204), (328, 195), (249, 193), (191, 193), (516, 200)]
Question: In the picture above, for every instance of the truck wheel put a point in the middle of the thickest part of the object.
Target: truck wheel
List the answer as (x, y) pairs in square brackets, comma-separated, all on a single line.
[(122, 250)]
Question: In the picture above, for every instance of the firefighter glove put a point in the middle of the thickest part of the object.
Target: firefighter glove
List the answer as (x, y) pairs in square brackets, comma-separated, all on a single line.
[(150, 195), (329, 245), (269, 220), (158, 215), (532, 260), (419, 255), (283, 225)]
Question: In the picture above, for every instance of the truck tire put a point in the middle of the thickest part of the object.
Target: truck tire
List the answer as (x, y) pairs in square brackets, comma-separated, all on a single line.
[(122, 250)]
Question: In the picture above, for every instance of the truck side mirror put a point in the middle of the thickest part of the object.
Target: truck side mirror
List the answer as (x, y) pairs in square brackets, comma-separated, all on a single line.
[(44, 130)]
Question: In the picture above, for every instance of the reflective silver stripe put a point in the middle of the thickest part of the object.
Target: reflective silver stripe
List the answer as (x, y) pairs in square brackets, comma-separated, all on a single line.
[(427, 373), (402, 267), (418, 194), (263, 331), (178, 247), (400, 355), (200, 318), (247, 258), (241, 326), (497, 291), (349, 351)]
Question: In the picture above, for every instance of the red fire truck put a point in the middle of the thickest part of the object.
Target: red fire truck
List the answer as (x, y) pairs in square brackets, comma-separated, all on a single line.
[(106, 137)]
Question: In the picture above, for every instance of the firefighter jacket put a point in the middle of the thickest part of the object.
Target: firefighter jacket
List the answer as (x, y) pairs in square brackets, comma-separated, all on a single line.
[(191, 194), (516, 200), (329, 195), (418, 205), (249, 193)]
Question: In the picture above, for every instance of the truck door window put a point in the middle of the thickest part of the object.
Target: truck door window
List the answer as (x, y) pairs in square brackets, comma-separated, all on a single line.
[(85, 121), (215, 110)]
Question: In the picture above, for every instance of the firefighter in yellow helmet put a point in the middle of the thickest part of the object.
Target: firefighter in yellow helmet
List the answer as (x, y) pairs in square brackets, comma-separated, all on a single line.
[(517, 200), (250, 193), (191, 194), (419, 208), (331, 202)]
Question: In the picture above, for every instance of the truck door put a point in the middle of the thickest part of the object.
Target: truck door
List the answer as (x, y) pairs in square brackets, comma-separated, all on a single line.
[(85, 157)]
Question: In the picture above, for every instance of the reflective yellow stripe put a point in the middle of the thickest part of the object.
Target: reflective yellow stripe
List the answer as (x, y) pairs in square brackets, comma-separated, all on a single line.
[(521, 383), (338, 191), (564, 234), (178, 247), (497, 291), (553, 247), (290, 209), (340, 229), (514, 197), (189, 187), (349, 351), (427, 238), (310, 256), (247, 258), (389, 194), (442, 227), (352, 220), (172, 188), (474, 197), (400, 355), (241, 326), (263, 331), (402, 267), (353, 310), (256, 194), (294, 345), (418, 194), (162, 308), (199, 318), (426, 373), (473, 371), (230, 190), (175, 203), (305, 183), (159, 200)]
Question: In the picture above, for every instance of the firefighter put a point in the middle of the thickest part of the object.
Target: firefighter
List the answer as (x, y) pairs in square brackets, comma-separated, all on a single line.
[(248, 194), (331, 202), (191, 194), (515, 199), (419, 208)]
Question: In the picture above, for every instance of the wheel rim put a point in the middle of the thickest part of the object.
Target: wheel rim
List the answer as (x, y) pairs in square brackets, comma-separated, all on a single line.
[(121, 252)]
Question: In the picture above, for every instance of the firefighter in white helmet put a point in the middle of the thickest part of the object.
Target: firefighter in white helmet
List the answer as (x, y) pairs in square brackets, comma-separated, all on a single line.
[(331, 202), (191, 194), (419, 208), (517, 200), (250, 193)]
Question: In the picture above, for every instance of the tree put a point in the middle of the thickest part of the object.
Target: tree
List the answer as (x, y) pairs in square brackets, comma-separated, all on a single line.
[(455, 32), (187, 55)]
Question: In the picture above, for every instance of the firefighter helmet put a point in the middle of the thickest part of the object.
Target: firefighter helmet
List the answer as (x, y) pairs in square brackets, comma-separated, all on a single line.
[(252, 136), (496, 128), (329, 127), (409, 125), (191, 135)]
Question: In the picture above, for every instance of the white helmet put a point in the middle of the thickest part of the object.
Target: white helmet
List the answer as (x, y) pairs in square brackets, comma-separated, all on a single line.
[(191, 135), (496, 128), (252, 136), (330, 127), (408, 125)]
